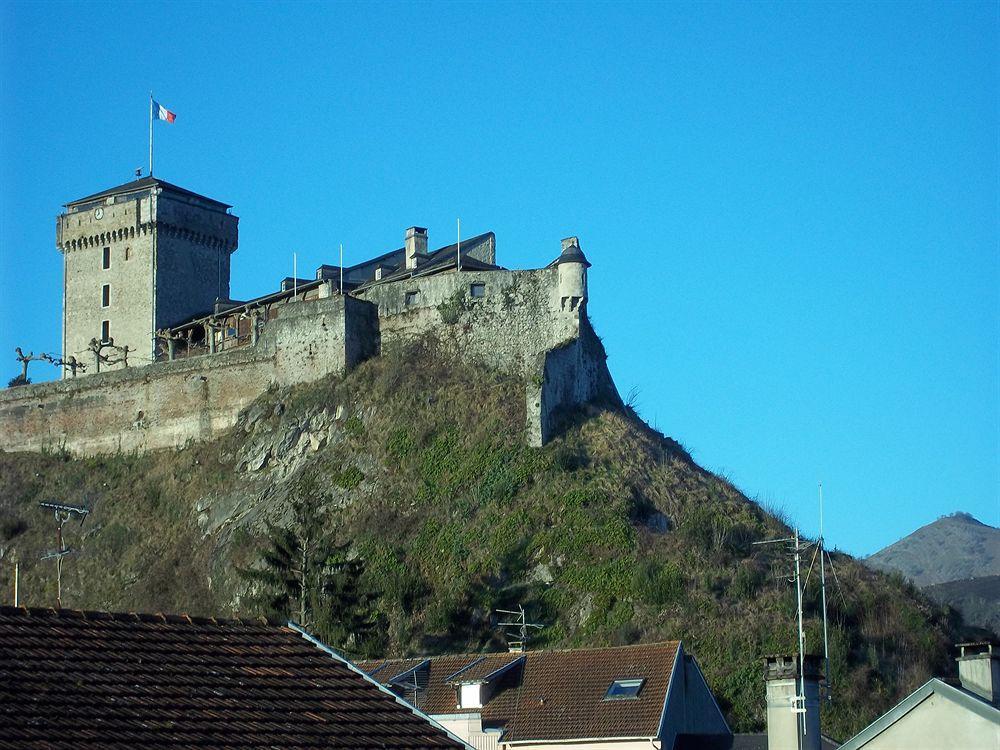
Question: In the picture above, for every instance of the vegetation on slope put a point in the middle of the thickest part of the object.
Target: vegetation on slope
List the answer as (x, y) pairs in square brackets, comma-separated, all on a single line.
[(610, 534)]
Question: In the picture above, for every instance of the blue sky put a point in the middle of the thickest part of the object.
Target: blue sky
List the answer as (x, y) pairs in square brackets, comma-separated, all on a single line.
[(792, 209)]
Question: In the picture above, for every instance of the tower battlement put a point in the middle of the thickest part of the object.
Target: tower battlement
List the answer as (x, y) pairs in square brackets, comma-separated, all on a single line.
[(137, 258)]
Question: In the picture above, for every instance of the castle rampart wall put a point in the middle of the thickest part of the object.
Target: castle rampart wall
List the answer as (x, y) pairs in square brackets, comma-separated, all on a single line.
[(518, 325), (508, 320), (169, 403)]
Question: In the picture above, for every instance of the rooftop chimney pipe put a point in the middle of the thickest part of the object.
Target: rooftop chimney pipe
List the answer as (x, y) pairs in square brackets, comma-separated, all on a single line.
[(416, 245), (979, 670), (792, 724)]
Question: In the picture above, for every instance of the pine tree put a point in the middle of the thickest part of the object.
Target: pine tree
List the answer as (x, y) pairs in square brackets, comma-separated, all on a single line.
[(303, 575)]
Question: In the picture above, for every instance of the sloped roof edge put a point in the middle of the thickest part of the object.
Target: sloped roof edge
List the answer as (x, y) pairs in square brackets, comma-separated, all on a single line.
[(934, 685), (142, 184), (401, 701)]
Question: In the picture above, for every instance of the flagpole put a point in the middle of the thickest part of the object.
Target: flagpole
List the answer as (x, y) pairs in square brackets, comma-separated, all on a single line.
[(150, 133), (458, 244)]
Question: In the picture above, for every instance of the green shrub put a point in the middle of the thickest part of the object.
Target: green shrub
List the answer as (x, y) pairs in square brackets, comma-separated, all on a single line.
[(659, 584)]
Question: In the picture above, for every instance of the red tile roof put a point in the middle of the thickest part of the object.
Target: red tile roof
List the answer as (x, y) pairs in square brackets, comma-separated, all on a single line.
[(552, 695), (86, 680)]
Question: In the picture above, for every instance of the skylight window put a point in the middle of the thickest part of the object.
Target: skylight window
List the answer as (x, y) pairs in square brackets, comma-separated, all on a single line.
[(624, 689)]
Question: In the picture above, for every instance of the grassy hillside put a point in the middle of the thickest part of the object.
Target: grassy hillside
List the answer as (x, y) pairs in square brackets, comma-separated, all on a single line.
[(610, 534)]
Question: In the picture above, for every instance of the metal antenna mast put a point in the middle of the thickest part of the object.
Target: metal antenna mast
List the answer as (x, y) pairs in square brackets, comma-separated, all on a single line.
[(822, 589), (63, 513), (517, 641), (799, 705)]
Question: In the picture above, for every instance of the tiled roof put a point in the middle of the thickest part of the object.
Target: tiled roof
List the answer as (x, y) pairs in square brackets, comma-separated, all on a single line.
[(485, 668), (442, 259), (86, 680), (553, 695)]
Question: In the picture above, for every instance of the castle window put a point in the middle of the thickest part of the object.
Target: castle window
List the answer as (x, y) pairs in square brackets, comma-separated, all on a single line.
[(106, 261), (126, 252), (105, 331), (477, 290), (410, 298), (105, 295)]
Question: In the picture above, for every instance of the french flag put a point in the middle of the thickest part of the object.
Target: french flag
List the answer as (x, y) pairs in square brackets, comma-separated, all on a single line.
[(162, 113)]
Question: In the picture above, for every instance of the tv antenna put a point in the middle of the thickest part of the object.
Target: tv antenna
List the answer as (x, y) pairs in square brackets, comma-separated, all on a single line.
[(796, 548), (63, 513), (516, 641)]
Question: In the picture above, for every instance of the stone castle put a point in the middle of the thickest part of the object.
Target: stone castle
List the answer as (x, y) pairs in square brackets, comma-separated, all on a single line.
[(157, 353)]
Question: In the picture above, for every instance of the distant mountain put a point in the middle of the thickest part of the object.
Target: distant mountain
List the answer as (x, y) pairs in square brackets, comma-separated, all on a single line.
[(953, 548)]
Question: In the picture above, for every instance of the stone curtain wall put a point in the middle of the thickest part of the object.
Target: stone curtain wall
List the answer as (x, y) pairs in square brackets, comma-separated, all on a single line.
[(517, 326), (169, 403)]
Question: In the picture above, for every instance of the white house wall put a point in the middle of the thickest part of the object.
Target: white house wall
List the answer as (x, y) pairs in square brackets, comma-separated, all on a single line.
[(935, 724)]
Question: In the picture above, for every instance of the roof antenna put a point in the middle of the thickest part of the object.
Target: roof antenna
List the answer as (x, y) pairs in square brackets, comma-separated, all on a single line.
[(516, 642), (822, 588), (796, 548), (63, 513)]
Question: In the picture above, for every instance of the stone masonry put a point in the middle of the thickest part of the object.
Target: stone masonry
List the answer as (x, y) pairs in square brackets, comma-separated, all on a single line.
[(530, 323), (138, 258)]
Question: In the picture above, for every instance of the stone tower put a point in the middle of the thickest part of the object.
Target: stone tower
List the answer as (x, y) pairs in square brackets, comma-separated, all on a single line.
[(140, 257), (572, 265)]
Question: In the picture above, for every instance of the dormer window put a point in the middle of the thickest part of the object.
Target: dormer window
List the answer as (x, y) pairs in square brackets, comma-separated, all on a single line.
[(624, 689), (470, 696)]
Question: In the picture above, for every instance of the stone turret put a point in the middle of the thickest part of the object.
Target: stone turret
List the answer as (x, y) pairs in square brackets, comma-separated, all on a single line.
[(572, 265)]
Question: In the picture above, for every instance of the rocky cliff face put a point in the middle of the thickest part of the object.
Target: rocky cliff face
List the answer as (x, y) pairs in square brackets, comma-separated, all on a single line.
[(609, 534)]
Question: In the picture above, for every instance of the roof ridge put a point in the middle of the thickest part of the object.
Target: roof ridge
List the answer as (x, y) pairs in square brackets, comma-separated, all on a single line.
[(135, 617), (388, 660), (142, 184)]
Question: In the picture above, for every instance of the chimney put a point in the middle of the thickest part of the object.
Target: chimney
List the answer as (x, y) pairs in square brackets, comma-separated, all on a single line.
[(792, 724), (569, 242), (416, 245), (979, 670)]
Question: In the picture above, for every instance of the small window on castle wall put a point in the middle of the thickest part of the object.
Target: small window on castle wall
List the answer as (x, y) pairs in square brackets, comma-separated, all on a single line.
[(477, 290), (105, 295), (105, 330), (410, 298), (127, 252), (106, 260)]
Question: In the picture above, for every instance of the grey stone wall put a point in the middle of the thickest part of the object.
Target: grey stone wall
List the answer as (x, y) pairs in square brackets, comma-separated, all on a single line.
[(193, 247), (169, 262), (169, 403), (82, 239), (516, 326)]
